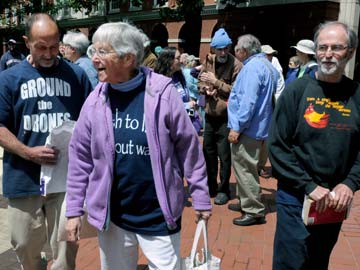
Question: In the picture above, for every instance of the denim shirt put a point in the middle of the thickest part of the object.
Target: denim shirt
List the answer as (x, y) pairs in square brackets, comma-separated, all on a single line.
[(86, 64), (251, 98)]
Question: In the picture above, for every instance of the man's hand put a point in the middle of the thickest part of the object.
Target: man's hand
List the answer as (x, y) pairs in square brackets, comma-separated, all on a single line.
[(234, 136), (341, 197), (73, 226), (322, 198), (192, 104), (208, 77), (42, 155), (205, 215), (210, 91)]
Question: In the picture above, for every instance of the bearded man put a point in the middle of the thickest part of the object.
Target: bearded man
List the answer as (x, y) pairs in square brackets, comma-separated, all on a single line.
[(314, 150), (217, 75)]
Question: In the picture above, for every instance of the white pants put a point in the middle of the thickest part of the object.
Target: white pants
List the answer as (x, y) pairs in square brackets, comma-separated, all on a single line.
[(119, 250)]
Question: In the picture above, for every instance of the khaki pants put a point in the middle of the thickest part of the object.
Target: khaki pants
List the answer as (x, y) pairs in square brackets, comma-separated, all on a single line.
[(245, 157), (33, 220)]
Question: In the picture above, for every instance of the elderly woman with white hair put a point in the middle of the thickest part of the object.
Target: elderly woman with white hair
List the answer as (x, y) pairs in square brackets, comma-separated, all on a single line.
[(75, 47), (132, 146)]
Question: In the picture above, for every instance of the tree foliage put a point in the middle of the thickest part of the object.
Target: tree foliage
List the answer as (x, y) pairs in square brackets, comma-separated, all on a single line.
[(7, 4), (80, 5), (184, 8), (230, 4), (22, 7)]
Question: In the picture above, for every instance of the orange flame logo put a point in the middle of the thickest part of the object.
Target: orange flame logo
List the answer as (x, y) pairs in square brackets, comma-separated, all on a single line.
[(315, 119)]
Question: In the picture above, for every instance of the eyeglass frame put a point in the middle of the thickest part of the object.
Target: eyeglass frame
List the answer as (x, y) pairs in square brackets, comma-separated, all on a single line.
[(68, 46), (91, 51), (336, 48)]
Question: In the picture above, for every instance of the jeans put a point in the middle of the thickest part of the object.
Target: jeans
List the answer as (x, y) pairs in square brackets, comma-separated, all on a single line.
[(216, 145), (297, 246)]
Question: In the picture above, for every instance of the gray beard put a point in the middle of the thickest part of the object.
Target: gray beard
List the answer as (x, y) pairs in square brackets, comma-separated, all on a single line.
[(334, 69), (222, 60), (326, 71)]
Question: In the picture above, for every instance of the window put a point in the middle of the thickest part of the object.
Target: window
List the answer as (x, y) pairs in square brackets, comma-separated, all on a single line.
[(114, 6), (134, 8)]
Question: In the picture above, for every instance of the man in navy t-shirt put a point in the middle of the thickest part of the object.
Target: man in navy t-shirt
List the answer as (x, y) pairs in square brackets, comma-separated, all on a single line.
[(11, 57), (36, 96)]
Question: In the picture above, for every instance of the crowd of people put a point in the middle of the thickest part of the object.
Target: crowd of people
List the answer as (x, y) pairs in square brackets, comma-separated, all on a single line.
[(139, 114)]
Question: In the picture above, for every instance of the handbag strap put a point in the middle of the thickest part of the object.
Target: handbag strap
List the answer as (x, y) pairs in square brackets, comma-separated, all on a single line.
[(200, 228)]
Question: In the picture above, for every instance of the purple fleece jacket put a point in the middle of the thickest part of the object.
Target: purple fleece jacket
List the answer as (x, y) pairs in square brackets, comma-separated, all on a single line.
[(175, 153)]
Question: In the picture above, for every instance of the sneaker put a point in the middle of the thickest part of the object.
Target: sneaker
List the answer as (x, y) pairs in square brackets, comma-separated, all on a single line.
[(221, 198)]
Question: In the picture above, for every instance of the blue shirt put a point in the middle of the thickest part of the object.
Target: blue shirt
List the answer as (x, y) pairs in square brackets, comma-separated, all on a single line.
[(291, 75), (33, 101), (191, 83), (86, 64), (251, 99), (134, 205)]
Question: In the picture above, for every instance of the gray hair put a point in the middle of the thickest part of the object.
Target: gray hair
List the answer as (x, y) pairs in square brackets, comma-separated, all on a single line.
[(77, 40), (351, 35), (249, 43), (123, 37), (146, 40), (191, 60)]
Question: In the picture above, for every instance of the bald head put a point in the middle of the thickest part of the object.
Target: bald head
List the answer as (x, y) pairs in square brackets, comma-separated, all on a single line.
[(41, 22), (42, 39)]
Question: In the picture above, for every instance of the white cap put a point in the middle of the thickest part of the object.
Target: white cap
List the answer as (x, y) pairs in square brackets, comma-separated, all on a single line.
[(305, 46), (13, 41), (267, 49)]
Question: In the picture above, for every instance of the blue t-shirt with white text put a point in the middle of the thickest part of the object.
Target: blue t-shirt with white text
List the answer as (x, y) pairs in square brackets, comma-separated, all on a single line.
[(33, 101), (134, 205)]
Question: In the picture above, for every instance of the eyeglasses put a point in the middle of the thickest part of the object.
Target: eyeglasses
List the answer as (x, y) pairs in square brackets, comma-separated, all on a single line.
[(91, 51), (334, 48)]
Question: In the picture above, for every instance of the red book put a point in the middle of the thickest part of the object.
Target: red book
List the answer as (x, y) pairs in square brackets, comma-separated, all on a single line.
[(311, 217)]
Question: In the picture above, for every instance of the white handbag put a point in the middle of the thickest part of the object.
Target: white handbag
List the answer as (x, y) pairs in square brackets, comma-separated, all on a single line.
[(203, 260)]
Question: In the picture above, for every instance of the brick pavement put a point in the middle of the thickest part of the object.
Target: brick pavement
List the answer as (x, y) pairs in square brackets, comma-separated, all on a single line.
[(250, 247), (239, 247)]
